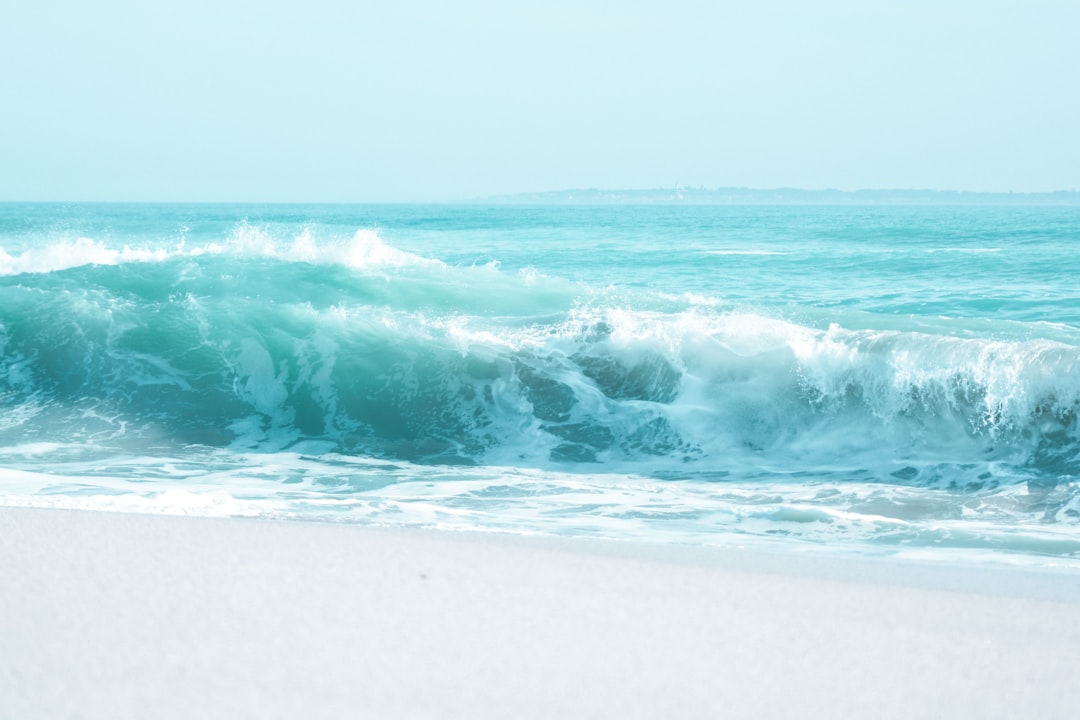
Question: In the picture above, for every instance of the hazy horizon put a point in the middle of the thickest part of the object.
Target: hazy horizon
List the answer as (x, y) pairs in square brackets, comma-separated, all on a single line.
[(680, 194), (331, 102)]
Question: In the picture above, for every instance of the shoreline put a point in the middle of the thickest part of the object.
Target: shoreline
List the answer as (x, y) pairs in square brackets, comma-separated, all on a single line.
[(113, 615)]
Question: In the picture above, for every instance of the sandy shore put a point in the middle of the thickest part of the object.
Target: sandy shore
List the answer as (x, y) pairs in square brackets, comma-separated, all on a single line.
[(130, 616)]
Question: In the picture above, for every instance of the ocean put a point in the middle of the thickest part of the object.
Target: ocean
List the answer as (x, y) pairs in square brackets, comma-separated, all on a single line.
[(860, 378)]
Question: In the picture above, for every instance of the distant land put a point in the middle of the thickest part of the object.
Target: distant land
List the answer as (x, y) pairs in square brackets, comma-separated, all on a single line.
[(680, 195)]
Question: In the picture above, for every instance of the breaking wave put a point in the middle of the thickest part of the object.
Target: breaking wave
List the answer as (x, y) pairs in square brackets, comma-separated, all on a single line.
[(362, 349), (302, 368)]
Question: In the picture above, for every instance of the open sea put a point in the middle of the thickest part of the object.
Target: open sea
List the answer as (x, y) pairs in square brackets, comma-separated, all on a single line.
[(873, 379)]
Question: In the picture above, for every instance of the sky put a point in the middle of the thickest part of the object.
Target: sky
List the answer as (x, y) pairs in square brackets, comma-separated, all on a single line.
[(408, 101)]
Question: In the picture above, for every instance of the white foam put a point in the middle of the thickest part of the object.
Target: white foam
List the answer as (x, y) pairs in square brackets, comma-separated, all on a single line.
[(174, 501), (75, 253), (893, 372), (364, 250), (37, 449)]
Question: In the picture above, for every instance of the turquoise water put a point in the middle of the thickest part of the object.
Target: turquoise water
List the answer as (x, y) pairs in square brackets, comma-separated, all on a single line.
[(871, 378)]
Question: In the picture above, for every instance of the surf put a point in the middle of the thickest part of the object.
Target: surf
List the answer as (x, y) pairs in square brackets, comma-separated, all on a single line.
[(402, 356), (324, 370)]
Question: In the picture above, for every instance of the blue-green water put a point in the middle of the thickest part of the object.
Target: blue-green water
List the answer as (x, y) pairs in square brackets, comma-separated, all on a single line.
[(869, 378)]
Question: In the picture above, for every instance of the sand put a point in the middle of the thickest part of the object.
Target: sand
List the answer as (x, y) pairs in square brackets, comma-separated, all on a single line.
[(108, 615)]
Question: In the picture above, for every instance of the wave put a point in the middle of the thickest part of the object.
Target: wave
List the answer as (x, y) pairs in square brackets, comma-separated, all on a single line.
[(73, 253), (360, 348), (365, 249)]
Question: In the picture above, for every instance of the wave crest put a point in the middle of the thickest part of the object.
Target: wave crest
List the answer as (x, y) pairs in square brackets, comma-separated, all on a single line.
[(364, 250)]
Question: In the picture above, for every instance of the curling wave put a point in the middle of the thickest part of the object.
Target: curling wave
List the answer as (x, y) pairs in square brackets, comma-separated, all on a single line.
[(366, 350)]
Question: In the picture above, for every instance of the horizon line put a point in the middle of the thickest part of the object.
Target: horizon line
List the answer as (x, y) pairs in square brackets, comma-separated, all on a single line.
[(609, 194)]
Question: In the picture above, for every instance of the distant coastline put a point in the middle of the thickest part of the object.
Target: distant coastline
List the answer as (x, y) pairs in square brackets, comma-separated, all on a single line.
[(680, 195)]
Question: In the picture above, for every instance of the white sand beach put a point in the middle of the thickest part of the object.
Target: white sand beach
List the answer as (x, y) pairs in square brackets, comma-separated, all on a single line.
[(108, 615)]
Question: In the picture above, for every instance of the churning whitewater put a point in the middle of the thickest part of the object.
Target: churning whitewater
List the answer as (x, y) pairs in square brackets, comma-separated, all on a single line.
[(874, 377)]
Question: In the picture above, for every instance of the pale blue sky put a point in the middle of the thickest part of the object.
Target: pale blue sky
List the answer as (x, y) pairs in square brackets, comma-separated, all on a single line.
[(409, 101)]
